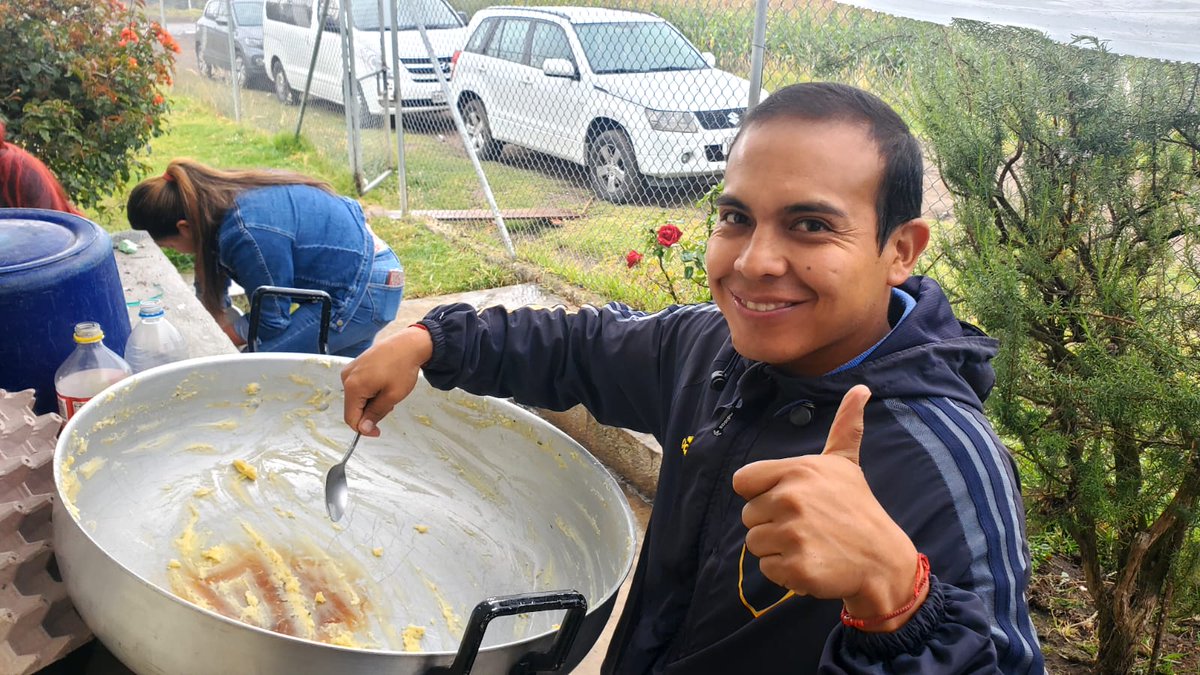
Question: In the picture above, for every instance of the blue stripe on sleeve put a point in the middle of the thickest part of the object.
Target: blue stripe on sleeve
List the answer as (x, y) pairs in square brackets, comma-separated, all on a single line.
[(972, 466)]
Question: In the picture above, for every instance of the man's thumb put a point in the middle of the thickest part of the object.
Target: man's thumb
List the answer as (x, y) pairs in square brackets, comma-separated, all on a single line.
[(846, 432)]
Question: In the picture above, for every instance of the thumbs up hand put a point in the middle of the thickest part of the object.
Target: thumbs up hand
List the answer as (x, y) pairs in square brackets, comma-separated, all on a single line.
[(818, 530)]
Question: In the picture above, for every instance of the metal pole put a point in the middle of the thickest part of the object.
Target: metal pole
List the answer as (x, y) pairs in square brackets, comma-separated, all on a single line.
[(350, 88), (162, 13), (312, 64), (381, 81), (462, 132), (401, 175), (230, 26), (757, 45)]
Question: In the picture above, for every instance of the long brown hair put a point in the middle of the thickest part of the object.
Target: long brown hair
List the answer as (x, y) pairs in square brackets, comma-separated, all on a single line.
[(200, 195)]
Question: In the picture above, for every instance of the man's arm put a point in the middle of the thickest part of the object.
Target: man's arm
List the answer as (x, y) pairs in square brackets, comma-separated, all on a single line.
[(608, 359)]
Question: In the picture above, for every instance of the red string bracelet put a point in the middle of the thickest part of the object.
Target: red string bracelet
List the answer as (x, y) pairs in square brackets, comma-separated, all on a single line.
[(419, 325), (919, 583)]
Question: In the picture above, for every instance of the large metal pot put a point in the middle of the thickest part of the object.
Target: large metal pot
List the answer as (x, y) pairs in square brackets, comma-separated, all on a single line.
[(462, 499)]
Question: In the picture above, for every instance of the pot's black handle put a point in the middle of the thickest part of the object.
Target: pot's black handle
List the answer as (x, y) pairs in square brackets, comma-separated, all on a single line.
[(298, 295), (533, 662)]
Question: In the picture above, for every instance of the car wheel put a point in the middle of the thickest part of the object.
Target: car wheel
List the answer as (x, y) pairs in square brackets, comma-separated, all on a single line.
[(283, 89), (204, 67), (613, 167), (479, 131), (239, 71)]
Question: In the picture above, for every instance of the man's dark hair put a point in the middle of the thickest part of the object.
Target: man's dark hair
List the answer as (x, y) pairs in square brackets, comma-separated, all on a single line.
[(899, 198)]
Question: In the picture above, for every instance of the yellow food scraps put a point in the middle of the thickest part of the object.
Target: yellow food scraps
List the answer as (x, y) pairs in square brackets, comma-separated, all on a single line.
[(256, 582), (224, 425), (91, 466), (253, 388), (245, 469), (421, 528), (202, 492), (412, 638), (216, 554), (452, 620), (377, 551), (201, 448)]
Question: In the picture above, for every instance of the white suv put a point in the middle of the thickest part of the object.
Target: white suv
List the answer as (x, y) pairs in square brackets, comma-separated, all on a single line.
[(623, 93)]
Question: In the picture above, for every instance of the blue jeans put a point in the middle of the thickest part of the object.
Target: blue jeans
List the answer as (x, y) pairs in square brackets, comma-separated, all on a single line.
[(378, 308)]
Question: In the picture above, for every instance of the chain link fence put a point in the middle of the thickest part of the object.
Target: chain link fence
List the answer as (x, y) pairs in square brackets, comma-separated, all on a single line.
[(593, 123)]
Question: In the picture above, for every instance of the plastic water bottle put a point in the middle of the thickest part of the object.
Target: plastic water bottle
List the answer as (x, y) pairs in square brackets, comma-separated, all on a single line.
[(154, 341), (89, 370)]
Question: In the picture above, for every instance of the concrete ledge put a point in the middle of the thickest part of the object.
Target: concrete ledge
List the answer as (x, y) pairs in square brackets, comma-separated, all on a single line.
[(634, 456)]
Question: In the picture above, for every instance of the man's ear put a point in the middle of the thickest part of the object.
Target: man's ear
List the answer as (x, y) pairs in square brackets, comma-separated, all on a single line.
[(904, 248)]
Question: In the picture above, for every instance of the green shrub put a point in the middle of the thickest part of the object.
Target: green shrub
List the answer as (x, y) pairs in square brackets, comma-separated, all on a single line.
[(83, 87)]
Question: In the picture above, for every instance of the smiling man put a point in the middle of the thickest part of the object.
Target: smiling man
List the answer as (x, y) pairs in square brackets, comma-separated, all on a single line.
[(831, 495)]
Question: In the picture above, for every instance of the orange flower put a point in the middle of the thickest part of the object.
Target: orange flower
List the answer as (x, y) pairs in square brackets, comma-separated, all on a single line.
[(158, 99), (133, 63)]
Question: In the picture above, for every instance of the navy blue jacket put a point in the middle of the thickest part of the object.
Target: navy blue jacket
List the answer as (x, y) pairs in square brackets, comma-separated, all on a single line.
[(699, 603)]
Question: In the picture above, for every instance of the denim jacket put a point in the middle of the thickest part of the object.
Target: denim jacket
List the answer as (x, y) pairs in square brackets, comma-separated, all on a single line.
[(301, 237)]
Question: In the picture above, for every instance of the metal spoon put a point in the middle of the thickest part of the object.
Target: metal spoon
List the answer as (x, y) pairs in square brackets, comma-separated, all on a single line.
[(337, 493)]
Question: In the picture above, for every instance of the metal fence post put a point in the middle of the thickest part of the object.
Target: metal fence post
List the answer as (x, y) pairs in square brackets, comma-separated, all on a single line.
[(312, 65), (230, 25), (350, 89), (462, 131), (757, 47), (401, 174)]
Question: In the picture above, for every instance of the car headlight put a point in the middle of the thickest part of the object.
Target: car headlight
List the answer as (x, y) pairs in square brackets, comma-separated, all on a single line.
[(672, 120)]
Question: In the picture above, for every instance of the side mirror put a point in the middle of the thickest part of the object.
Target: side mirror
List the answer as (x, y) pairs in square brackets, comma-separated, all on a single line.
[(462, 17), (709, 58), (558, 68), (222, 21)]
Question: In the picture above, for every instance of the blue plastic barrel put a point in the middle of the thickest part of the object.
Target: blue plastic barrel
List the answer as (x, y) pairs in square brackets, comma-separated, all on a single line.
[(56, 269)]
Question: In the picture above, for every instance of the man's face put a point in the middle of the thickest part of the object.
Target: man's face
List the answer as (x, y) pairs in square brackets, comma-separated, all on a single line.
[(794, 261)]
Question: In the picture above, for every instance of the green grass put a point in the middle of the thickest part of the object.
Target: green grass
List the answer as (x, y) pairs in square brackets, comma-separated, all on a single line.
[(433, 265)]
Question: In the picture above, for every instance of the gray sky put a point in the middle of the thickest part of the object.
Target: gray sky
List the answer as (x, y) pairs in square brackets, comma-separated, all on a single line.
[(1163, 29)]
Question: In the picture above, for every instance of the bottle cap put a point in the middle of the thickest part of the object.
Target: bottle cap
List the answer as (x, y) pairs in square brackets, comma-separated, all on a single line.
[(149, 308), (88, 332)]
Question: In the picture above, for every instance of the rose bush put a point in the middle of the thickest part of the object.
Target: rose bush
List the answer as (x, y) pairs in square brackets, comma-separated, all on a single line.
[(83, 87), (672, 250)]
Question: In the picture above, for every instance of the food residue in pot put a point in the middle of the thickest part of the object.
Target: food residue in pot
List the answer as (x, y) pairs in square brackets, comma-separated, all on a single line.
[(303, 593), (253, 388), (377, 551), (224, 425), (202, 492), (421, 528), (90, 467), (247, 471), (412, 638)]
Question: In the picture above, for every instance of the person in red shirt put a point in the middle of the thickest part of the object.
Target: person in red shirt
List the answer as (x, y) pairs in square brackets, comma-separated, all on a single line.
[(25, 182)]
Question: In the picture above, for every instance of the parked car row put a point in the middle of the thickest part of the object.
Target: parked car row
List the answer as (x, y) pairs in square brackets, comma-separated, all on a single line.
[(623, 93)]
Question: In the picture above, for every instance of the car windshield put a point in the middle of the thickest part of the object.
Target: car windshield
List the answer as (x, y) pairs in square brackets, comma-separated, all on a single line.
[(248, 13), (637, 47), (434, 13)]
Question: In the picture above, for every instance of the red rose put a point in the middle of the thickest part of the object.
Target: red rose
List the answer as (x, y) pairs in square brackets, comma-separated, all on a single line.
[(632, 258), (669, 235)]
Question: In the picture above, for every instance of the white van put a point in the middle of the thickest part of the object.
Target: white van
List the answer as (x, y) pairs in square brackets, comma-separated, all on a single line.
[(290, 29)]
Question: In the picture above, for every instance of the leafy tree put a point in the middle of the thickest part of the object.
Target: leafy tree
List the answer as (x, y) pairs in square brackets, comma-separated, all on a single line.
[(1076, 176), (83, 86)]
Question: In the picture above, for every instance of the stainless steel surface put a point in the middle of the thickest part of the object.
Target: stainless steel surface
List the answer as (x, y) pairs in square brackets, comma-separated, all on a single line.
[(511, 505), (337, 493)]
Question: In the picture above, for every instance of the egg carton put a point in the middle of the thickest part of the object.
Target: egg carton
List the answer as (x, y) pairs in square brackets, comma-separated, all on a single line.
[(38, 623)]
